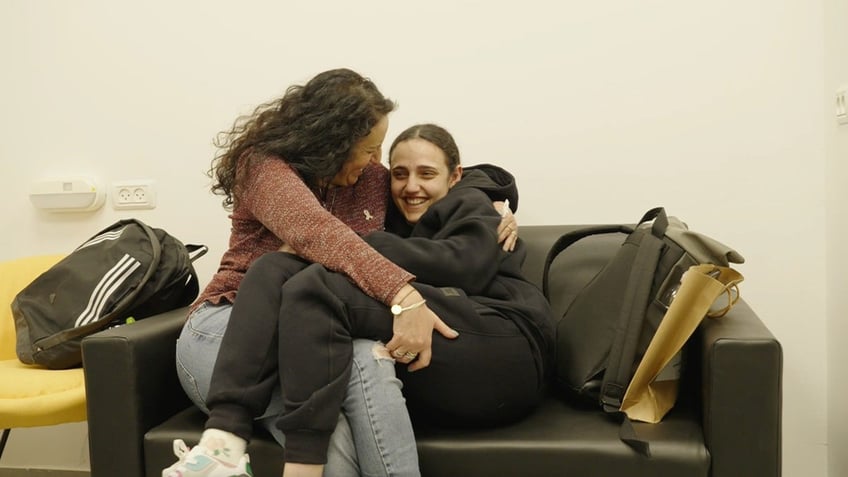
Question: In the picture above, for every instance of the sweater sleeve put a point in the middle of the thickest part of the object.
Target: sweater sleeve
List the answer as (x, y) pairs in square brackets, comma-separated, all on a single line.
[(277, 197)]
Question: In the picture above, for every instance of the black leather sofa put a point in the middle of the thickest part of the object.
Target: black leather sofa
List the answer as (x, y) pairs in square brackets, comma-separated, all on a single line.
[(727, 422)]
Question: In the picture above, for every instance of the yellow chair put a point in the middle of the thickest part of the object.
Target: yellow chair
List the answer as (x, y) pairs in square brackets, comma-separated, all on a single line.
[(32, 396)]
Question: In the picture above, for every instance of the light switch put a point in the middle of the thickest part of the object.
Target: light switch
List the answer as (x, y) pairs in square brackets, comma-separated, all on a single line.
[(842, 104)]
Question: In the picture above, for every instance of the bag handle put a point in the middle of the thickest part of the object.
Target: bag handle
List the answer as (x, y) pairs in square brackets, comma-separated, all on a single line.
[(660, 218), (196, 251), (732, 298), (570, 238), (731, 289)]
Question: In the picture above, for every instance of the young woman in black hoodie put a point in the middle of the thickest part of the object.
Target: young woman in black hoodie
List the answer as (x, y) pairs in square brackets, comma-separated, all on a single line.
[(444, 230)]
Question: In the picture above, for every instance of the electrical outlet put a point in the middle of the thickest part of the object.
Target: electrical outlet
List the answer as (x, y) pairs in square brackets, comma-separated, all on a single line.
[(134, 194)]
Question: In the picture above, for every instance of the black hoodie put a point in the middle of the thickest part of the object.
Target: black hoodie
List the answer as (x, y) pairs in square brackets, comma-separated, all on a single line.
[(454, 244)]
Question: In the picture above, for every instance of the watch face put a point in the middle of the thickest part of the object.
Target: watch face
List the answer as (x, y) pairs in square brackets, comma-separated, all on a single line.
[(396, 310)]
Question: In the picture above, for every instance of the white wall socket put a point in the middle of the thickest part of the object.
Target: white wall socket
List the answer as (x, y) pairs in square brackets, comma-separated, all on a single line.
[(134, 194)]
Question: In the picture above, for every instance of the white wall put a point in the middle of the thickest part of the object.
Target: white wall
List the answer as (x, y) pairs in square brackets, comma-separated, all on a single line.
[(719, 111)]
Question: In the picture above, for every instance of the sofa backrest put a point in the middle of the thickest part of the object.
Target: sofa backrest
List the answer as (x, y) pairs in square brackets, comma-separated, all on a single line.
[(539, 239)]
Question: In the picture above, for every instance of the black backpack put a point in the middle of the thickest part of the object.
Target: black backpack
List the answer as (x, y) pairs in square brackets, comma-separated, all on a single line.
[(126, 272), (608, 309)]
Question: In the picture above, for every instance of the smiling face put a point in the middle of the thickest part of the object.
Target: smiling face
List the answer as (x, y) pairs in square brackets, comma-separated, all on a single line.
[(366, 151), (420, 176)]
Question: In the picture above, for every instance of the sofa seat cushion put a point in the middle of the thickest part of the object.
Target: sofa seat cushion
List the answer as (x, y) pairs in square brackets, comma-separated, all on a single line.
[(562, 439), (557, 439)]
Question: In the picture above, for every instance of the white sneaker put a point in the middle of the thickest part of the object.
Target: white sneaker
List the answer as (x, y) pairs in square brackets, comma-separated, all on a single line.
[(202, 462)]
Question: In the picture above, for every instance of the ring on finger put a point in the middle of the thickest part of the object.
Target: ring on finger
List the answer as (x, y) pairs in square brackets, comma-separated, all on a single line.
[(398, 353), (410, 355)]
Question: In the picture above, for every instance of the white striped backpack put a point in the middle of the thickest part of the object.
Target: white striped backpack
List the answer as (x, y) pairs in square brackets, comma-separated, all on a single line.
[(126, 272)]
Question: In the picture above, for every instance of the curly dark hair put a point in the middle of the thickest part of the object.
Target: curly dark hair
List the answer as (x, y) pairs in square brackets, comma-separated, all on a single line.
[(312, 127), (434, 134)]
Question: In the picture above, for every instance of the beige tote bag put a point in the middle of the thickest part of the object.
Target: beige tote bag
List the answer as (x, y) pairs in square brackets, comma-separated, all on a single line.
[(653, 389)]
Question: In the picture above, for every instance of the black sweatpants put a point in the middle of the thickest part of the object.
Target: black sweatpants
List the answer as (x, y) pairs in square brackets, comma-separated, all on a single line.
[(485, 376), (246, 369)]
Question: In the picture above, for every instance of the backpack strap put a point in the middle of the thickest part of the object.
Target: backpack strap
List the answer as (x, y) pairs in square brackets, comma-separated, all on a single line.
[(627, 434), (623, 349), (570, 238), (636, 297)]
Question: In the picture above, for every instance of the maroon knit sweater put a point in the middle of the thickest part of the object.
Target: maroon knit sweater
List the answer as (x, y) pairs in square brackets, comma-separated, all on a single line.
[(276, 207)]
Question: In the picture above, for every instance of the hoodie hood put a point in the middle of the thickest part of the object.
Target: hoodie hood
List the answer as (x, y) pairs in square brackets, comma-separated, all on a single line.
[(496, 182)]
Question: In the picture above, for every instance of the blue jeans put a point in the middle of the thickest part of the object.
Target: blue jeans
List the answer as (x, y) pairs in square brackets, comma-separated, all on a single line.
[(374, 435)]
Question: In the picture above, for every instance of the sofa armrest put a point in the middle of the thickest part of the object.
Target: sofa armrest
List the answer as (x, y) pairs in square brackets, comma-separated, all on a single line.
[(131, 386), (742, 366)]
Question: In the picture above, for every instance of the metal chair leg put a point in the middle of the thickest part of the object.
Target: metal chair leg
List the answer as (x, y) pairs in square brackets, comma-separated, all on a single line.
[(3, 441)]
